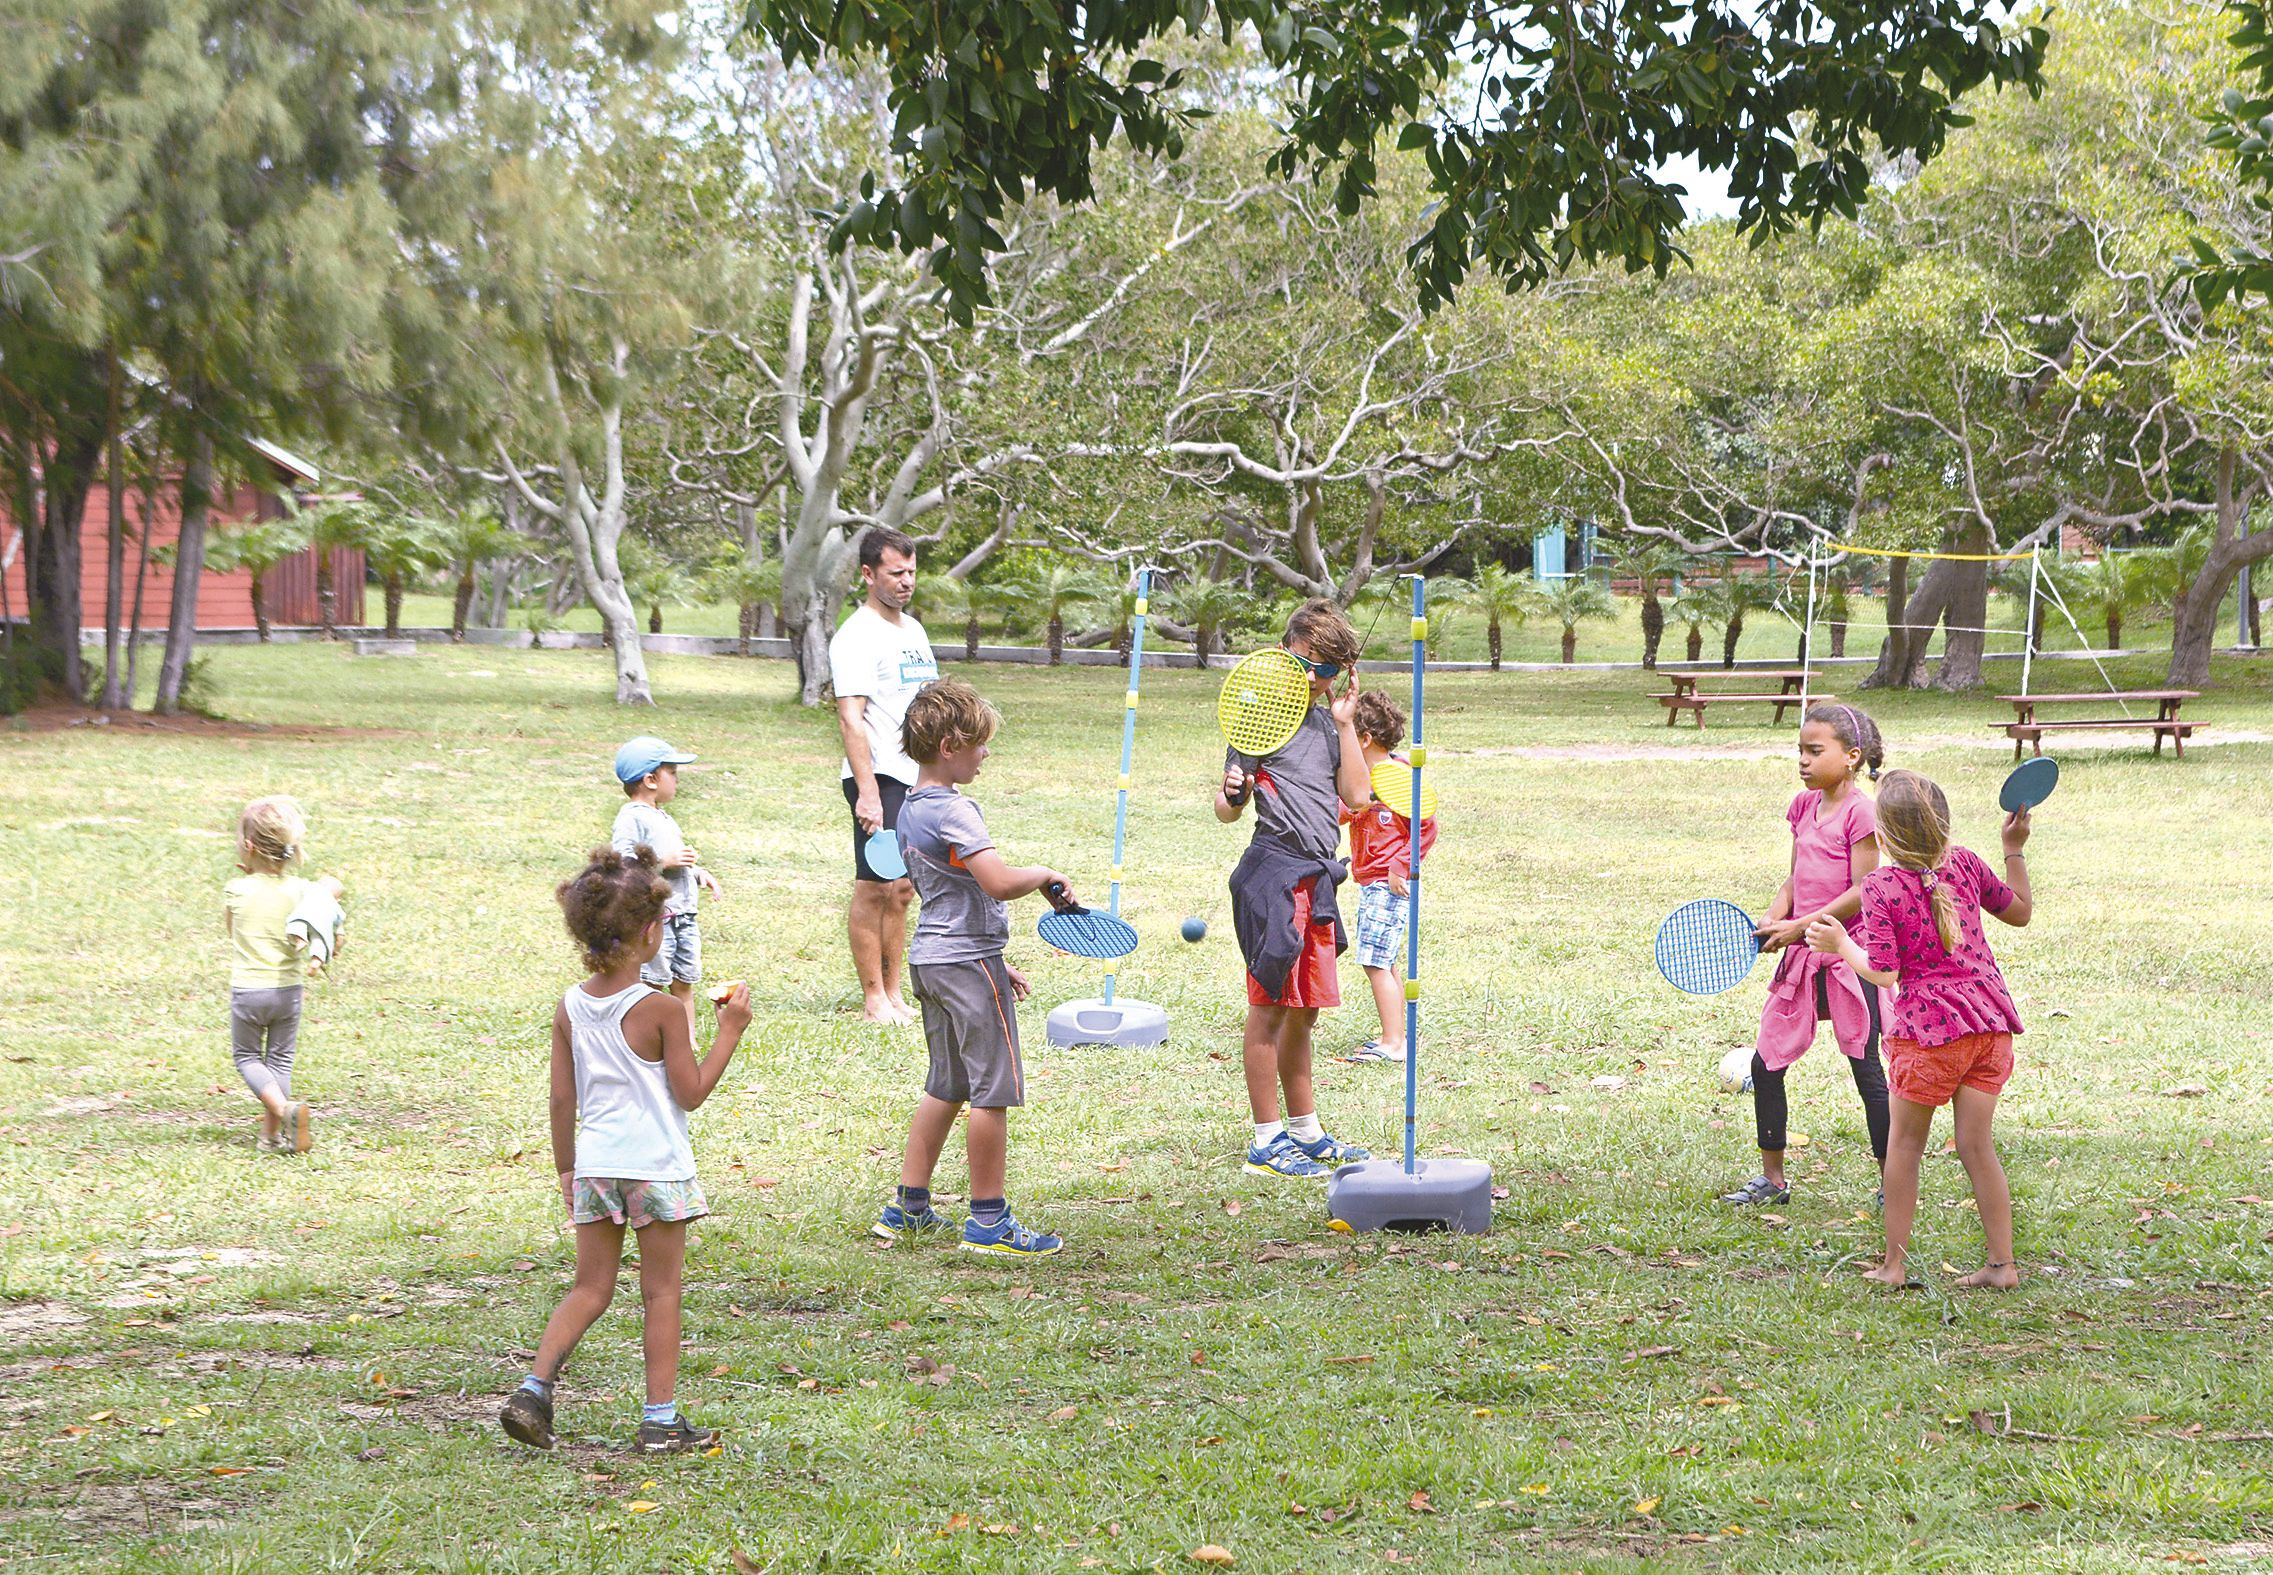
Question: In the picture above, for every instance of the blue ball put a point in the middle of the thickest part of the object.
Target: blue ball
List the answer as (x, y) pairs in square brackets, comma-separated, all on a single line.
[(1195, 928)]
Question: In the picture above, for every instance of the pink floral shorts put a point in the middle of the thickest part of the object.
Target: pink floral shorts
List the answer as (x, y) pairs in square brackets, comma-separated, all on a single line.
[(637, 1204)]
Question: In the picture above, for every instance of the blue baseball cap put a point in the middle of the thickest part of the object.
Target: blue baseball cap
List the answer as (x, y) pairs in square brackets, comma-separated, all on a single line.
[(643, 754)]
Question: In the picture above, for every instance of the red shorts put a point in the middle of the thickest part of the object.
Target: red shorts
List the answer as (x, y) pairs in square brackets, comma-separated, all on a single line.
[(1315, 979), (1932, 1074)]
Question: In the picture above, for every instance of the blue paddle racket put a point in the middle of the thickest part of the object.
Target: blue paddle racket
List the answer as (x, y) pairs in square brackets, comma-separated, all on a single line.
[(1707, 946), (2030, 784), (884, 856), (1083, 931)]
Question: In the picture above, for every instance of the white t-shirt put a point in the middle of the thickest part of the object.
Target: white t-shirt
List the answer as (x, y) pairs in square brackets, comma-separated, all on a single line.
[(885, 664)]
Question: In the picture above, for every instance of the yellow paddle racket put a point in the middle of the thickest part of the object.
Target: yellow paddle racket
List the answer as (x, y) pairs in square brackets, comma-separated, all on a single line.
[(1393, 785), (1263, 702)]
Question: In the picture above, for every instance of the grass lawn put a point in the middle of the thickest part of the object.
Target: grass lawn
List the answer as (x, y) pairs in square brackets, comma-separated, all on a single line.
[(211, 1360)]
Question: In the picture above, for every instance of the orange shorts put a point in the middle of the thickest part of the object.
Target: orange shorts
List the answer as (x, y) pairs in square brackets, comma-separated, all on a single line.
[(1932, 1074), (1315, 979)]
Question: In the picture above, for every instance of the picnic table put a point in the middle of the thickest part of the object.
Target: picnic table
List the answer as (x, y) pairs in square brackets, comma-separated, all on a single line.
[(2027, 728), (1791, 690)]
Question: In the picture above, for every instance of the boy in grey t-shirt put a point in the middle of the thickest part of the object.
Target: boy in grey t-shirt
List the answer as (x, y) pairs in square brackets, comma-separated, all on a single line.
[(969, 994), (648, 768)]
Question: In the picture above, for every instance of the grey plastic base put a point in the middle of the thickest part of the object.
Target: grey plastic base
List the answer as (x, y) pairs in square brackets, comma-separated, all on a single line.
[(1441, 1194), (1133, 1024)]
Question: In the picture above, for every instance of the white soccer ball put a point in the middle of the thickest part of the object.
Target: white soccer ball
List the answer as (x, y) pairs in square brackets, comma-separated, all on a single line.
[(1736, 1070)]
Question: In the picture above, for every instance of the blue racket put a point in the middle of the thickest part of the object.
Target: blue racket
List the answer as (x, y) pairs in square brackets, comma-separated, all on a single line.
[(884, 856), (2030, 784), (1081, 931), (1707, 946)]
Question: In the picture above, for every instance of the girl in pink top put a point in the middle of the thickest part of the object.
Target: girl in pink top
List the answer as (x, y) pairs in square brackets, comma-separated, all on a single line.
[(1952, 1035), (1833, 849)]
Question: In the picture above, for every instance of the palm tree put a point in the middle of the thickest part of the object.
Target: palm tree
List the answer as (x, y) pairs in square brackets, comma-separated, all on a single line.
[(2109, 584), (1052, 594), (468, 539), (1504, 597), (256, 549), (1838, 585), (1734, 596), (1207, 605), (1571, 601), (658, 581), (1645, 563), (395, 547), (1694, 609), (1119, 608), (335, 525), (748, 584)]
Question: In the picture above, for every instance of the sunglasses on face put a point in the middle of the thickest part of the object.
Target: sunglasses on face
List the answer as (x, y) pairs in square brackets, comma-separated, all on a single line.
[(1318, 670)]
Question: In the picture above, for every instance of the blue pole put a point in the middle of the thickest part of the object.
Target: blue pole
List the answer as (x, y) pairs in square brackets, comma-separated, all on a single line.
[(1128, 758), (1419, 758)]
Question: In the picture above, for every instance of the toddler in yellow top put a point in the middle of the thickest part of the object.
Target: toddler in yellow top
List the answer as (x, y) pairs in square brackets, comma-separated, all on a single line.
[(280, 925)]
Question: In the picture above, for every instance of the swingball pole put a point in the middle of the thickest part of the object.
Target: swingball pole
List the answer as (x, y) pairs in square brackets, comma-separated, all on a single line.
[(1105, 1019), (1419, 756)]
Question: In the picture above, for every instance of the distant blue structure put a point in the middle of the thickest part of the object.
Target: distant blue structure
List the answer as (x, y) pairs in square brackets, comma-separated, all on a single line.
[(1547, 556)]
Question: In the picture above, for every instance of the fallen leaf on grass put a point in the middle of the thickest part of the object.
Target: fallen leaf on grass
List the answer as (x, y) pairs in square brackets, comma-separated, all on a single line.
[(228, 1471), (1211, 1553), (744, 1564), (1716, 1400), (1653, 1352), (1349, 1361), (1065, 1413), (1535, 1489), (1419, 1503), (1609, 1082), (640, 1506), (956, 1522), (2025, 1507), (1646, 1507), (1232, 1207), (2186, 1091)]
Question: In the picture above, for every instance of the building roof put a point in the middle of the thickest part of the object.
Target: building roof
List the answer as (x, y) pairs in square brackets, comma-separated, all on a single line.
[(283, 459)]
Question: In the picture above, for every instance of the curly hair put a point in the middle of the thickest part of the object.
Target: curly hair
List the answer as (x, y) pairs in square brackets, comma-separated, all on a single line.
[(609, 901), (1854, 729), (271, 831), (1320, 624), (1379, 719), (945, 713), (1913, 828)]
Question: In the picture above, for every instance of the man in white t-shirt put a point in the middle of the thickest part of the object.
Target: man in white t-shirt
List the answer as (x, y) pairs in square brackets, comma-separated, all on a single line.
[(878, 659)]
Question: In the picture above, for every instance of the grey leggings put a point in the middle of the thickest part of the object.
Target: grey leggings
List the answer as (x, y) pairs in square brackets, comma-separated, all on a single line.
[(273, 1016)]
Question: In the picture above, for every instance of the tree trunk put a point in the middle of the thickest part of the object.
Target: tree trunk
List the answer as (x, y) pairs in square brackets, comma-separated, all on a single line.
[(971, 638), (53, 606), (1729, 636), (1203, 642), (655, 618), (1894, 650), (1492, 642), (1966, 615), (1653, 626), (1570, 649), (1696, 642), (1838, 639), (1056, 639), (327, 597), (744, 617), (260, 603), (392, 586), (141, 574), (2115, 628), (462, 603), (114, 586), (2194, 621), (189, 569)]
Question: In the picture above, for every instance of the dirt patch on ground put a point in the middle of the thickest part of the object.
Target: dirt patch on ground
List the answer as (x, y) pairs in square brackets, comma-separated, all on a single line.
[(433, 1411), (29, 1320), (134, 1507), (133, 724)]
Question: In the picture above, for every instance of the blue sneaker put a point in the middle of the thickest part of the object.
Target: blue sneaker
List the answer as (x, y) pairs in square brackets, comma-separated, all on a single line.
[(1010, 1238), (896, 1222), (1282, 1156), (1330, 1150)]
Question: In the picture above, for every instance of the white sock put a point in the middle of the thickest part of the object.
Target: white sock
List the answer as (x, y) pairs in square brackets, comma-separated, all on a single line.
[(1266, 1132), (1305, 1128)]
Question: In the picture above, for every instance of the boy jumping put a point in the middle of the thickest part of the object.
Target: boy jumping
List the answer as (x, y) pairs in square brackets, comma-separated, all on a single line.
[(1282, 895)]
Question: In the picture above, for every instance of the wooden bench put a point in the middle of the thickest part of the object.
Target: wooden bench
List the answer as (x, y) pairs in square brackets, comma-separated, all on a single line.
[(1695, 702), (2027, 728)]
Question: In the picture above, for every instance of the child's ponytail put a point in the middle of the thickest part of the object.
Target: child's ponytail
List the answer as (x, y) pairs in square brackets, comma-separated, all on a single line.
[(1913, 828)]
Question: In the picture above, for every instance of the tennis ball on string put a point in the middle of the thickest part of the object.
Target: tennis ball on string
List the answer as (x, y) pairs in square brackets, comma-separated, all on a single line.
[(1194, 929)]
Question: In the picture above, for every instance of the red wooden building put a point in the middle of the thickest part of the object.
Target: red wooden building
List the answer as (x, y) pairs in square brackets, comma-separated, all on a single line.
[(224, 601)]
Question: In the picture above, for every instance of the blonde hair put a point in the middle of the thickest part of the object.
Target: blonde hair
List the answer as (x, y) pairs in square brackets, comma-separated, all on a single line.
[(1913, 828), (272, 832), (945, 713)]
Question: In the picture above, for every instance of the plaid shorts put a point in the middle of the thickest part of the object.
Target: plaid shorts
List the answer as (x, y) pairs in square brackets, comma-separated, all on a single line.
[(1381, 916), (638, 1204)]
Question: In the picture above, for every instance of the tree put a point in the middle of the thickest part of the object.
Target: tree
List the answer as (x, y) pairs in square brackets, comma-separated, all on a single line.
[(466, 539), (396, 548), (1207, 606), (254, 549), (1695, 611), (333, 525), (1735, 595), (1547, 128), (1502, 597), (1646, 563), (1052, 593), (2109, 586), (651, 579), (749, 583), (1573, 600)]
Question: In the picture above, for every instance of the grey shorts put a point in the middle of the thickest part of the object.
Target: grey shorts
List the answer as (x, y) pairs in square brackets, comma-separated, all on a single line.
[(679, 959), (970, 1021)]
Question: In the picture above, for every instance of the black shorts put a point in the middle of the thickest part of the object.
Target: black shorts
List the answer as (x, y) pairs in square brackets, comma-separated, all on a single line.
[(970, 1025), (889, 789)]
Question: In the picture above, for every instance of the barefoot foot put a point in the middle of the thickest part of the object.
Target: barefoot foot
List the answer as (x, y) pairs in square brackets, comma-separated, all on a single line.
[(1992, 1277), (1894, 1274)]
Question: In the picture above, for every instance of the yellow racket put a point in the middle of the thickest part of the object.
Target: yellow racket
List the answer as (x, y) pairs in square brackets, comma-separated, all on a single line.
[(1393, 785), (1263, 702)]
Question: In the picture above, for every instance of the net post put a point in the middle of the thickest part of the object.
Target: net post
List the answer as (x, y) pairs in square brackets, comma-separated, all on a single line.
[(1807, 635), (1128, 756), (2028, 624), (1413, 878)]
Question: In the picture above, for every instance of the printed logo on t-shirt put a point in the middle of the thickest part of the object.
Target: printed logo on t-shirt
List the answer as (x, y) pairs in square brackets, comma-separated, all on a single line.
[(917, 668)]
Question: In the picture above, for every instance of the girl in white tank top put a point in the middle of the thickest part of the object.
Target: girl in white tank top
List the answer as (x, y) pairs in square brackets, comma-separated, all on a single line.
[(624, 1077)]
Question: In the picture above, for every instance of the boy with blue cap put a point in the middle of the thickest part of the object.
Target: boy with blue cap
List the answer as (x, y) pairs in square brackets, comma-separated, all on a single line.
[(648, 768)]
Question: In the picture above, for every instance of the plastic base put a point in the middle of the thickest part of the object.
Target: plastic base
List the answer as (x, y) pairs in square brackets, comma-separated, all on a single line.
[(1440, 1194), (1133, 1024)]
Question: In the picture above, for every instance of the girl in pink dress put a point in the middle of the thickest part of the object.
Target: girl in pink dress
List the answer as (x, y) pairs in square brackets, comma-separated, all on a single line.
[(1833, 848), (1950, 1039)]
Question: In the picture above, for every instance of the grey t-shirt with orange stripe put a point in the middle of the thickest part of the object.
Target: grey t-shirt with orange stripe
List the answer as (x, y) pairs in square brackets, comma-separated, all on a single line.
[(939, 830), (1296, 800)]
